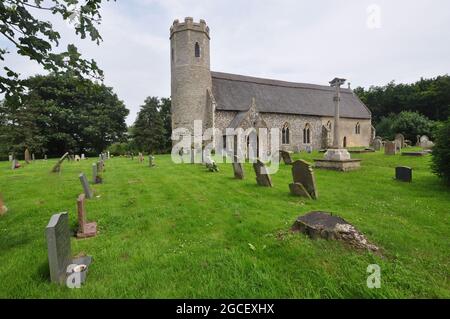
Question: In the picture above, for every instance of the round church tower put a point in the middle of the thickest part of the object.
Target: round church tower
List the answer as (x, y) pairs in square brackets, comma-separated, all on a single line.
[(190, 72)]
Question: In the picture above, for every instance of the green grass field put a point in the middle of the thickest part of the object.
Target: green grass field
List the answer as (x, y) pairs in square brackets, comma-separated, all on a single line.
[(180, 231)]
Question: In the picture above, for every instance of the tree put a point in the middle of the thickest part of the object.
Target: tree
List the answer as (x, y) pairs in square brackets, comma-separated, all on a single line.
[(441, 152), (150, 130), (429, 97), (36, 39), (62, 113)]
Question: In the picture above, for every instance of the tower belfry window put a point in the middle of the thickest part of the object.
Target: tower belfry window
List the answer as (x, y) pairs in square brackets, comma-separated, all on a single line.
[(197, 50)]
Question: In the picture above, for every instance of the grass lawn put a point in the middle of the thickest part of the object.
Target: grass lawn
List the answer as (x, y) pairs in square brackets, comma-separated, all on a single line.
[(180, 231)]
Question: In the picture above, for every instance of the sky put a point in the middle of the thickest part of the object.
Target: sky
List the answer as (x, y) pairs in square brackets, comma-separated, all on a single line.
[(366, 42)]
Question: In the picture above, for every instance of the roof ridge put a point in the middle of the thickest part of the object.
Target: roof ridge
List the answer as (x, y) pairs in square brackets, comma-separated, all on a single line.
[(273, 82)]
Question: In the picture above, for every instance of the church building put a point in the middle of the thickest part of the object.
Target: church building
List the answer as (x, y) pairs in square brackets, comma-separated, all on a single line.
[(304, 113)]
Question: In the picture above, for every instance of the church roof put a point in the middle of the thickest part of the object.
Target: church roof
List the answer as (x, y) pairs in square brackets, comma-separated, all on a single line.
[(234, 92)]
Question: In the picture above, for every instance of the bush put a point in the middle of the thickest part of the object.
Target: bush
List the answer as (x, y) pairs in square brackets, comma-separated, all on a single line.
[(441, 152), (410, 124)]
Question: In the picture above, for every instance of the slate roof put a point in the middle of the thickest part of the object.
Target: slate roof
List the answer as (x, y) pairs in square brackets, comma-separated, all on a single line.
[(234, 92)]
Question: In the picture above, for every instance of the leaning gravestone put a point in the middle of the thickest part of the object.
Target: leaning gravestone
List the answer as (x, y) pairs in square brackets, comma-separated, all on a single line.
[(85, 229), (262, 176), (87, 190), (96, 176), (13, 164), (286, 156), (238, 168), (403, 173), (62, 266), (390, 148), (57, 167), (377, 144), (304, 180)]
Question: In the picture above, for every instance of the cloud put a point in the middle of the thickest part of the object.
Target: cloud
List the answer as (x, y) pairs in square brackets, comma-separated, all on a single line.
[(287, 39)]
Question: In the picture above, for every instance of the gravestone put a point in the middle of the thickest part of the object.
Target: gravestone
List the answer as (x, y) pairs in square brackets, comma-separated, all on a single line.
[(238, 168), (33, 157), (13, 164), (60, 252), (403, 174), (141, 158), (87, 190), (390, 148), (151, 158), (377, 144), (211, 164), (400, 140), (108, 155), (304, 180), (308, 149), (96, 177), (27, 156), (83, 157), (324, 225), (286, 156), (57, 167), (3, 208), (262, 176), (425, 142), (85, 229), (10, 158), (45, 157), (77, 158)]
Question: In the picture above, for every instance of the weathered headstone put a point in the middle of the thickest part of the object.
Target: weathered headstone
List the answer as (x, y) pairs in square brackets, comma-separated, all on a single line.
[(13, 164), (211, 164), (286, 156), (96, 176), (238, 168), (57, 167), (390, 148), (400, 140), (324, 225), (77, 158), (3, 208), (377, 144), (83, 157), (85, 229), (304, 180), (425, 142), (27, 156), (60, 252), (10, 158), (45, 157), (141, 158), (262, 176), (87, 190), (151, 158), (33, 157), (403, 173)]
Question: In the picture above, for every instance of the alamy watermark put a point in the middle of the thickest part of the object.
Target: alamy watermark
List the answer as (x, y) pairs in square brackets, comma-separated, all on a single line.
[(236, 145), (374, 279), (373, 17)]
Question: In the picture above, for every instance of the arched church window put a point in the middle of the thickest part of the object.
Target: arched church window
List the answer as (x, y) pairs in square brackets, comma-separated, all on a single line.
[(197, 50), (358, 128), (285, 134), (307, 134)]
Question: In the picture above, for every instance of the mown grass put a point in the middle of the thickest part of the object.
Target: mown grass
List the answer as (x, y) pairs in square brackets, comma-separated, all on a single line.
[(180, 231)]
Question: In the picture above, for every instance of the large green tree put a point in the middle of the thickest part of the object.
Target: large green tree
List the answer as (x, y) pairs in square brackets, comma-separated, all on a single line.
[(60, 113), (429, 97), (36, 38), (151, 130), (441, 152)]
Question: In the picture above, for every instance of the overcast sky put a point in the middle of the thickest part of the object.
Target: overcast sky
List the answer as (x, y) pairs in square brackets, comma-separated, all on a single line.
[(293, 40)]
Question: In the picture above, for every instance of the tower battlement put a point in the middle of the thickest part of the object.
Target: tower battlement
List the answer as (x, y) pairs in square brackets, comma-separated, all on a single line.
[(189, 24)]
